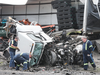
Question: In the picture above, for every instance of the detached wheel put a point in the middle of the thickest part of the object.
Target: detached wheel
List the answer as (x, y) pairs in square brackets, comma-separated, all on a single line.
[(51, 58)]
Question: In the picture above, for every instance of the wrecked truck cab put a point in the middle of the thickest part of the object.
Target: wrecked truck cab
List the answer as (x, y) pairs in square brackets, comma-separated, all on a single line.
[(31, 39), (28, 35)]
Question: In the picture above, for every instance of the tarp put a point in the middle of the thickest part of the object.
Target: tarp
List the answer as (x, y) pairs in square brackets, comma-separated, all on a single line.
[(94, 1), (93, 19), (93, 10)]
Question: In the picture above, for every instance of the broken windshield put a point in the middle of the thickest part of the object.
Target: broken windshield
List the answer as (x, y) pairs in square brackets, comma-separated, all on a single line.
[(37, 53)]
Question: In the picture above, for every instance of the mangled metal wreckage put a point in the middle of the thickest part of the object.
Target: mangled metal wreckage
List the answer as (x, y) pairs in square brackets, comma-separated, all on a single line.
[(45, 49)]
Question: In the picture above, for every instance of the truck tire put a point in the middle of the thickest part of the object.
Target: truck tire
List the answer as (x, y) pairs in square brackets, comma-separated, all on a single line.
[(51, 58), (54, 58)]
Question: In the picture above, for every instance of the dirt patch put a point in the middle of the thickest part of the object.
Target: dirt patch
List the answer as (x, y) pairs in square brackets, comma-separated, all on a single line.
[(47, 70)]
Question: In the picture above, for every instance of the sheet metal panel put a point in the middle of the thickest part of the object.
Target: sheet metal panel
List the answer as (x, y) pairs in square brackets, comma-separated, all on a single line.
[(46, 8), (31, 9), (20, 9), (54, 19), (7, 9), (45, 19), (20, 17), (32, 18)]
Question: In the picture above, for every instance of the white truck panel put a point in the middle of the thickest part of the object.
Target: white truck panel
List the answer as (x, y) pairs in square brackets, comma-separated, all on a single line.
[(24, 43), (26, 28), (48, 39)]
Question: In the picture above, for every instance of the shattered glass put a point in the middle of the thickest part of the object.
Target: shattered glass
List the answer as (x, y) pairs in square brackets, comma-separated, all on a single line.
[(36, 53)]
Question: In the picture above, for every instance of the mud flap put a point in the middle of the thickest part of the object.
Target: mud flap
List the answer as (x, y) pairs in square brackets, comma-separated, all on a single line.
[(6, 54), (38, 50)]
